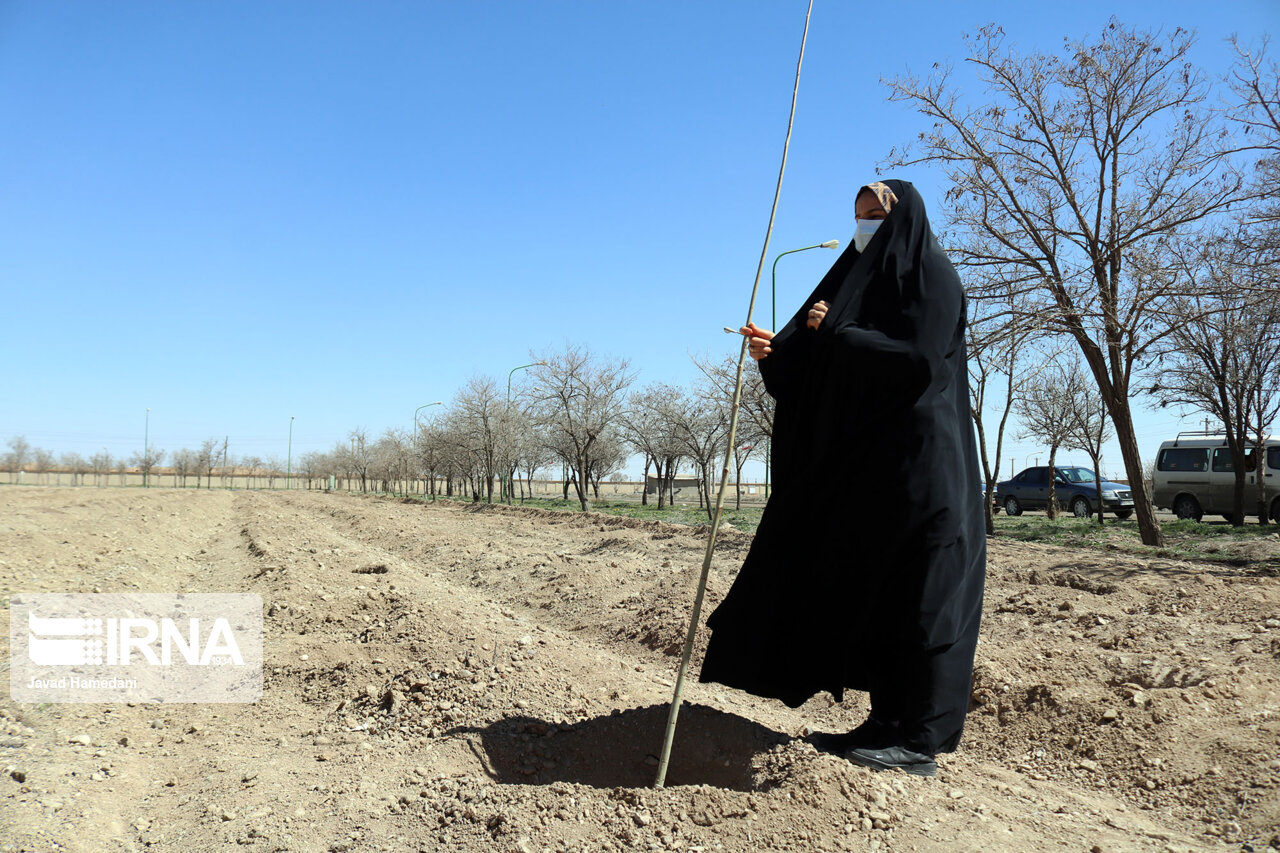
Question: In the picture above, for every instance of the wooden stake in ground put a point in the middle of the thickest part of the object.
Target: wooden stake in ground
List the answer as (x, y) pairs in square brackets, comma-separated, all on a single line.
[(670, 735)]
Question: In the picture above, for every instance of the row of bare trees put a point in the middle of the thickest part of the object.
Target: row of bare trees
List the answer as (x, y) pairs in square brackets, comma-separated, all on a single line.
[(201, 465), (574, 412), (1116, 201)]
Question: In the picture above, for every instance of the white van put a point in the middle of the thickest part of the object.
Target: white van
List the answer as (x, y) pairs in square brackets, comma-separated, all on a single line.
[(1194, 476)]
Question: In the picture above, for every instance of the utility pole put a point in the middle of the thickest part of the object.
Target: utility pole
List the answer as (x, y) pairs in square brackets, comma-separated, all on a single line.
[(146, 450)]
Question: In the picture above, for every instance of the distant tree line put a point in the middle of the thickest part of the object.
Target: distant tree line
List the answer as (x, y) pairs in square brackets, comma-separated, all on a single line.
[(186, 467), (574, 415)]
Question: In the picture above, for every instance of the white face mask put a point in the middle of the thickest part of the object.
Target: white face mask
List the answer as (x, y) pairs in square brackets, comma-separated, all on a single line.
[(864, 232)]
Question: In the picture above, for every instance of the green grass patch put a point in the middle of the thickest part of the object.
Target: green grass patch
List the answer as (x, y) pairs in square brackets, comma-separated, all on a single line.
[(745, 519), (1184, 539)]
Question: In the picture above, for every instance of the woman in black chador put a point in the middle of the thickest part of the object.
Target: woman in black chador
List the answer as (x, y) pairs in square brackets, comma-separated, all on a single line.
[(867, 569)]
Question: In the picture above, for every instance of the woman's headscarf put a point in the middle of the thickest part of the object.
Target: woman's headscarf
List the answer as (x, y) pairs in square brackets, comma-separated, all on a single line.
[(882, 192)]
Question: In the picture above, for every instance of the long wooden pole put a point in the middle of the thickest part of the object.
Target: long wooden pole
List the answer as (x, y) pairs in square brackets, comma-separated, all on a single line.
[(670, 735)]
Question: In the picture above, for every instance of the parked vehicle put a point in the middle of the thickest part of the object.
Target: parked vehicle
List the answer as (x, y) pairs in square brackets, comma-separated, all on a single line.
[(1075, 488), (1194, 475)]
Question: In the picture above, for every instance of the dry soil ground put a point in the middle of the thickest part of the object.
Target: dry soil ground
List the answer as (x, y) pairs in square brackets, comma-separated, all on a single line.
[(439, 678)]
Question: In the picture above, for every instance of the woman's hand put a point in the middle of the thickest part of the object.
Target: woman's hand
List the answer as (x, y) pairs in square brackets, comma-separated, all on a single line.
[(757, 340), (816, 313)]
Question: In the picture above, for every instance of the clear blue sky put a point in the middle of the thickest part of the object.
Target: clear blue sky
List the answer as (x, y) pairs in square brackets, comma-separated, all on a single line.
[(235, 212)]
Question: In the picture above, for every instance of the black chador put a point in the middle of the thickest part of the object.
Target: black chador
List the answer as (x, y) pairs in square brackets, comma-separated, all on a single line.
[(868, 565)]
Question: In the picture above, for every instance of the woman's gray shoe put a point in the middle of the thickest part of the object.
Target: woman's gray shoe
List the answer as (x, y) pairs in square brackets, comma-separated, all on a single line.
[(894, 758)]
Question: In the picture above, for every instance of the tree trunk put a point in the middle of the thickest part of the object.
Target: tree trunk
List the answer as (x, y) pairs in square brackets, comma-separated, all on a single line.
[(1051, 508), (580, 487), (737, 482), (1260, 458), (1148, 525), (988, 516)]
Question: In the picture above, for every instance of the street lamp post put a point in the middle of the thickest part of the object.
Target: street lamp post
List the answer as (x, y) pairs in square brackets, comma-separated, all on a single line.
[(146, 449), (521, 367), (288, 470), (773, 326), (505, 489), (415, 426)]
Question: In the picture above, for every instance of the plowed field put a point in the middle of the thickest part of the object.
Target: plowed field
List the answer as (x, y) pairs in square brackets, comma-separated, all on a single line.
[(447, 678)]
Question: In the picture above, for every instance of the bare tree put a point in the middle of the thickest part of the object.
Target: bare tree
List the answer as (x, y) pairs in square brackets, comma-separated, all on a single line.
[(431, 451), (464, 454), (581, 401), (273, 467), (360, 456), (43, 462), (480, 414), (455, 458), (311, 465), (756, 407), (516, 437), (206, 460), (185, 462), (254, 464), (648, 427), (16, 459), (146, 460), (531, 452), (741, 454), (1226, 364), (996, 343), (101, 464), (1069, 178), (1255, 83), (392, 462), (75, 464), (1045, 412), (702, 429), (1264, 407), (610, 455)]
